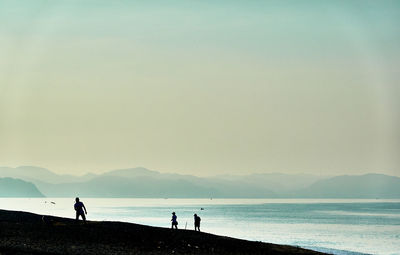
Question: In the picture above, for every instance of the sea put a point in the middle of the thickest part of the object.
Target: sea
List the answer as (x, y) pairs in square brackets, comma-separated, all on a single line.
[(335, 226)]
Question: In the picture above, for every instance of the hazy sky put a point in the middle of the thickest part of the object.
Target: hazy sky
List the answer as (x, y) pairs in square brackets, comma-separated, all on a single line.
[(201, 87)]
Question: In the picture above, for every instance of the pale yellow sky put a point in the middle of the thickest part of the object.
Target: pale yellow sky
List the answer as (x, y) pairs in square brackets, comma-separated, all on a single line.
[(199, 87)]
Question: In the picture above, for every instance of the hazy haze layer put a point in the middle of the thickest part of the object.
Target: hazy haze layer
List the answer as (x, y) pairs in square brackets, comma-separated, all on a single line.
[(201, 87)]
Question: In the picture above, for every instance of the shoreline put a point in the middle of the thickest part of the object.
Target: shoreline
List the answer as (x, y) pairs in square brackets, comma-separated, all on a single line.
[(29, 233)]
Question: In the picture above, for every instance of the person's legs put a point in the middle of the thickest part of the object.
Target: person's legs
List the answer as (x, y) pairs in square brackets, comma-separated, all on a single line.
[(77, 216), (83, 217)]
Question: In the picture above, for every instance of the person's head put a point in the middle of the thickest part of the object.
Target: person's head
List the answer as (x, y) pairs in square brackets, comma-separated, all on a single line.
[(77, 199), (195, 215), (173, 213)]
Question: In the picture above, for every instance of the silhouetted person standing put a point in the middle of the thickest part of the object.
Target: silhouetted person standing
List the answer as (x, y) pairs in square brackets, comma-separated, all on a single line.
[(79, 207), (174, 221), (197, 220)]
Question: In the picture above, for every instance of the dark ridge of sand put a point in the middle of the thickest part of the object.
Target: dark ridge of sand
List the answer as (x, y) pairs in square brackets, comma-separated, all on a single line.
[(27, 233)]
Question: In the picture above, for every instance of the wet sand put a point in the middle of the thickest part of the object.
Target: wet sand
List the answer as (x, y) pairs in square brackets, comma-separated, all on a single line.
[(28, 233)]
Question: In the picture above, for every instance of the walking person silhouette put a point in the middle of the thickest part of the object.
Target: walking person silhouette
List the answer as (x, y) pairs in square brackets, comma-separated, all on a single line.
[(197, 220), (79, 207), (174, 221)]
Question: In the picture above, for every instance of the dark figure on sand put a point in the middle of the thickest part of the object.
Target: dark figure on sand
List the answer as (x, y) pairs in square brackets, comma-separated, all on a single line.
[(174, 221), (79, 207), (197, 220)]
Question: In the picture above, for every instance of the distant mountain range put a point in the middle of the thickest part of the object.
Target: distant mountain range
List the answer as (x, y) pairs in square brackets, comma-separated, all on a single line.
[(144, 183), (10, 187), (347, 186)]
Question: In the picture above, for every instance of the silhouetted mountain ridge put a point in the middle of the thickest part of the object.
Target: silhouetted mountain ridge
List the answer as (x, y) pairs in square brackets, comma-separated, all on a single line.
[(33, 174), (132, 172), (351, 186), (142, 182), (10, 187)]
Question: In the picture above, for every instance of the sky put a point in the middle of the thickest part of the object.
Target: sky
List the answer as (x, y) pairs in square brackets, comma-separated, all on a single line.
[(201, 87)]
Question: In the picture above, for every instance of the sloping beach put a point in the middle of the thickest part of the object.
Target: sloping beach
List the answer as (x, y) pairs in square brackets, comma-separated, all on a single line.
[(28, 233)]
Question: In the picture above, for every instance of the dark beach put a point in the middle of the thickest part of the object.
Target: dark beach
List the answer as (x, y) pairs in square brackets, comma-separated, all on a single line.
[(28, 233)]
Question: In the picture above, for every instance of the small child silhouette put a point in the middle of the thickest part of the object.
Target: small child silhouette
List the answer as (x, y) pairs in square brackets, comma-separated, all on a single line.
[(174, 221)]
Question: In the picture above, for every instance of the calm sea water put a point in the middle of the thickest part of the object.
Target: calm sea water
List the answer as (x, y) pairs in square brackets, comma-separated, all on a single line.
[(335, 226)]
